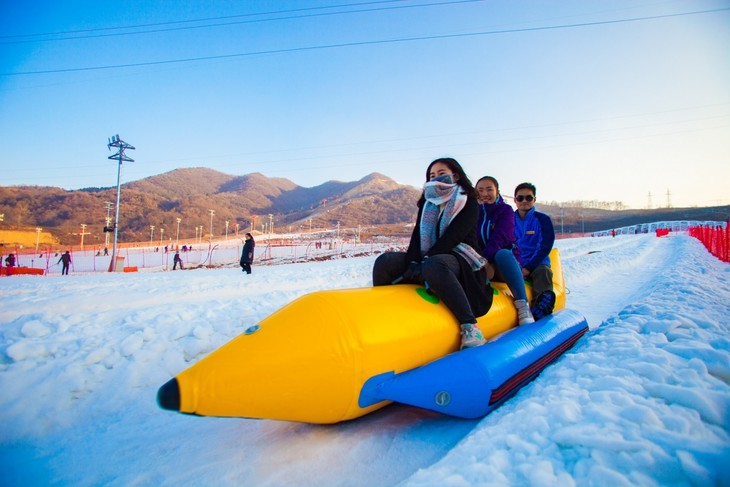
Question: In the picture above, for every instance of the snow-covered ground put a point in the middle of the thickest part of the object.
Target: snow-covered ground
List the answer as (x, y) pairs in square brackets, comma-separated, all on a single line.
[(642, 399)]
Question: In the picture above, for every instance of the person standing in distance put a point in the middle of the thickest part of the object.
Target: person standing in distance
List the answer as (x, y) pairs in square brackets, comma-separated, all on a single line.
[(247, 254), (65, 262), (177, 260), (535, 238)]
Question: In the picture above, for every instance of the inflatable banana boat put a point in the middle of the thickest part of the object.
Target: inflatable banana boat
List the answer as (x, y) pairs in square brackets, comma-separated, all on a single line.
[(331, 356)]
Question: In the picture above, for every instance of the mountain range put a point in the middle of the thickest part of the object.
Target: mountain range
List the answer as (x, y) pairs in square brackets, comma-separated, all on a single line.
[(255, 201), (190, 194)]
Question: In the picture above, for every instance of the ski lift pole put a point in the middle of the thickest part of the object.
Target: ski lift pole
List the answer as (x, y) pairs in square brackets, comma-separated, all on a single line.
[(118, 143)]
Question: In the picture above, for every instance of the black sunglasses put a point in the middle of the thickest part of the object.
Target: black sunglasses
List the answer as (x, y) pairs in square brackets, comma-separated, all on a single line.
[(527, 198)]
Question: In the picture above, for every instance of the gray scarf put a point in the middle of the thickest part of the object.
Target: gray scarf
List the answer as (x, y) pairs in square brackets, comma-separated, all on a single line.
[(436, 192)]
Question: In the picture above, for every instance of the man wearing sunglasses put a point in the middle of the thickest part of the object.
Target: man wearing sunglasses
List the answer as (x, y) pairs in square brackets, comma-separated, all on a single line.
[(535, 238)]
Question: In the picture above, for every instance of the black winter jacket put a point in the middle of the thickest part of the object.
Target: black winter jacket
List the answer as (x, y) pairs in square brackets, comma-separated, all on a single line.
[(247, 254), (461, 229)]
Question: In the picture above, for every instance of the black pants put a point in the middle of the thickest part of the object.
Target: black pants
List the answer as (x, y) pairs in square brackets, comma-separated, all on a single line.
[(64, 269), (441, 272), (542, 280), (246, 267)]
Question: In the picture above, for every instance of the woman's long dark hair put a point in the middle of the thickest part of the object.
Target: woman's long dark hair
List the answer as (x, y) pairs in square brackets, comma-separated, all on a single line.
[(466, 187)]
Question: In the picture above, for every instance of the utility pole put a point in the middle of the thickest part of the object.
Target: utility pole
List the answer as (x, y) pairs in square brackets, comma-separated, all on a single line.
[(83, 232), (210, 237), (121, 146), (152, 234), (108, 205), (669, 198), (226, 229), (38, 231), (177, 236)]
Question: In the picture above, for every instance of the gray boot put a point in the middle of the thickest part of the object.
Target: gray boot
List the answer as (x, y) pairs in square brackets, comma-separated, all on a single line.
[(471, 336), (524, 316)]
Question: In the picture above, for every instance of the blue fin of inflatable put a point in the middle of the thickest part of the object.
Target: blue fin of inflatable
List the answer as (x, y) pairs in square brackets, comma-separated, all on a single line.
[(472, 382)]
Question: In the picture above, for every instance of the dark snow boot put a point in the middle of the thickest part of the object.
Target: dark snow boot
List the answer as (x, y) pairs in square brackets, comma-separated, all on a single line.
[(543, 304)]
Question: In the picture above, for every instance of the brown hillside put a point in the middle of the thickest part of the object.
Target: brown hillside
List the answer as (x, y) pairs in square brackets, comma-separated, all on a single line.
[(181, 183), (189, 194)]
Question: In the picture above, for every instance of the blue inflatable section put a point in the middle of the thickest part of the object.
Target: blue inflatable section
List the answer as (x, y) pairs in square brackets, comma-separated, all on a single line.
[(472, 382)]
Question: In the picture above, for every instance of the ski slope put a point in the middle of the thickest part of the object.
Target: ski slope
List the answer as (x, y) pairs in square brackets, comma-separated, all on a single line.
[(644, 398)]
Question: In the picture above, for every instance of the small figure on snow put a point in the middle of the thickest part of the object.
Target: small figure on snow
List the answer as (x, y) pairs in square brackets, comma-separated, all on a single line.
[(177, 260), (65, 262), (247, 254)]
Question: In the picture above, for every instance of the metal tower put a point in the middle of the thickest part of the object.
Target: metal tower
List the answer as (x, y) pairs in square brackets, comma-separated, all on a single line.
[(120, 156)]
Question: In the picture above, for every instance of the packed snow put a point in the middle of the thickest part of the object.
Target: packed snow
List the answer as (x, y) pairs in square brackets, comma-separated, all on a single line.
[(642, 399)]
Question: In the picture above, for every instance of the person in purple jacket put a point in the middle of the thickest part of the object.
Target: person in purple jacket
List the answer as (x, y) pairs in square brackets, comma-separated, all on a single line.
[(496, 232), (535, 236)]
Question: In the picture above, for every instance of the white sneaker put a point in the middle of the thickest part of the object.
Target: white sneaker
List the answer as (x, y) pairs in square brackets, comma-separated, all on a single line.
[(471, 336), (524, 316)]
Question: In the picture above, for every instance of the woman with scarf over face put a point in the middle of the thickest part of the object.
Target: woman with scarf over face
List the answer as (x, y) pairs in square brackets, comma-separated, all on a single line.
[(444, 253), (496, 232)]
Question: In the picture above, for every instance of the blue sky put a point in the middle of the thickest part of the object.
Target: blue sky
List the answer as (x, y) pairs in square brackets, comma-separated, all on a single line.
[(592, 100)]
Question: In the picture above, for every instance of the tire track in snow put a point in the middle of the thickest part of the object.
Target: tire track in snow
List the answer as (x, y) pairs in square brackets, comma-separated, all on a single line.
[(622, 280)]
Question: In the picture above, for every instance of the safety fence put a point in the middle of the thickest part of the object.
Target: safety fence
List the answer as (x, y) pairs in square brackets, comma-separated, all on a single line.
[(661, 228), (213, 255), (716, 238)]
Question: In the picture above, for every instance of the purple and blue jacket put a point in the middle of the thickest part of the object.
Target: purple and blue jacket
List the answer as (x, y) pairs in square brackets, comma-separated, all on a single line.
[(496, 229)]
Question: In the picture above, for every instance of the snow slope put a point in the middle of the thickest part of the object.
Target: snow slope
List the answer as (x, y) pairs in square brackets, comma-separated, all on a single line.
[(643, 399)]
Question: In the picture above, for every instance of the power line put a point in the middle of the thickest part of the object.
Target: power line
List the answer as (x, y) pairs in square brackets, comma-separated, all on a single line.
[(464, 144), (378, 151), (360, 43), (206, 19), (249, 21)]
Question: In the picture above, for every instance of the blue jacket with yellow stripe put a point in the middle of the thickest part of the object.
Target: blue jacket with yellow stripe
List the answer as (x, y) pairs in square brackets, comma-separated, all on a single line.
[(535, 238)]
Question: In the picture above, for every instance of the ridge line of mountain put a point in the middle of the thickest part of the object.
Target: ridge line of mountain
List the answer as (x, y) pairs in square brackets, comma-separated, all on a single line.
[(255, 200)]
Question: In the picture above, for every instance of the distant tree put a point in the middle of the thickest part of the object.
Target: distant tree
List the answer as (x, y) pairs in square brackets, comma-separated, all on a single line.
[(600, 205)]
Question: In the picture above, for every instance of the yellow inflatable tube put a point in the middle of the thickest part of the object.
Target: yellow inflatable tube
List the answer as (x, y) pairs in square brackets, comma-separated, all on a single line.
[(309, 360)]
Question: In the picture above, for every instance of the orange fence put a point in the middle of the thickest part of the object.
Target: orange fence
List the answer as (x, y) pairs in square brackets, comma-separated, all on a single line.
[(13, 271), (715, 239)]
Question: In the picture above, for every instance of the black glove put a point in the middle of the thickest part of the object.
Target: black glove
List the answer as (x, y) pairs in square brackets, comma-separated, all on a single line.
[(413, 272)]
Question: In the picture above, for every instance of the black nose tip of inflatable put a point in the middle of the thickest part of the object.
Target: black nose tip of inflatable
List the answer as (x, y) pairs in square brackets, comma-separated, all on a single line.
[(168, 397)]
